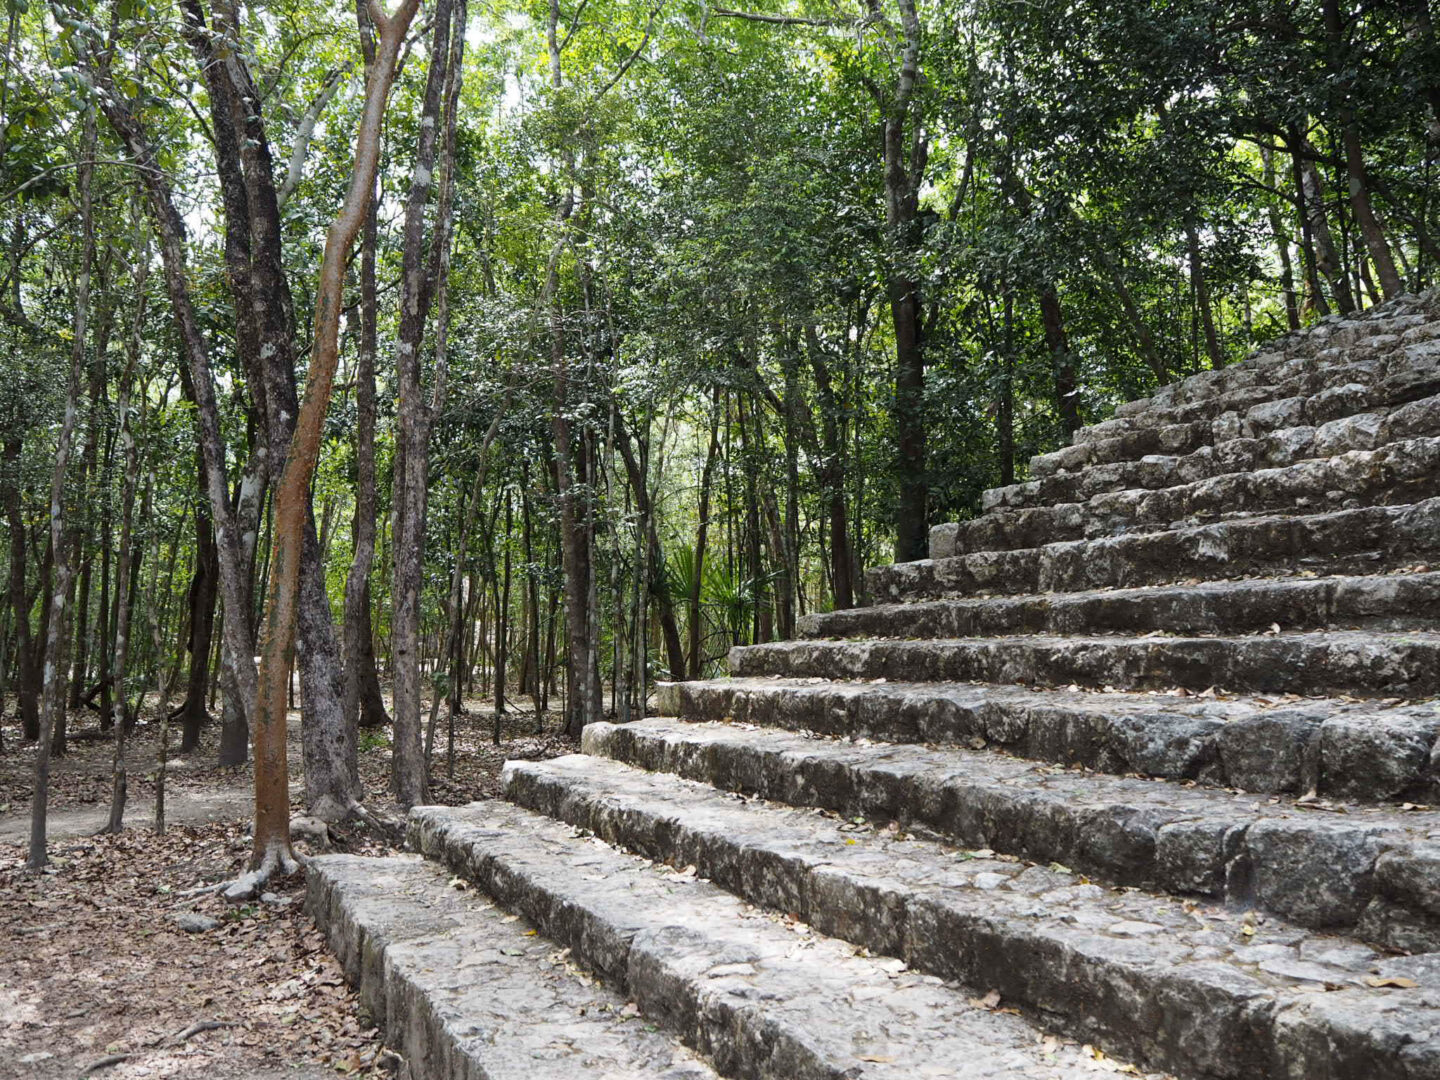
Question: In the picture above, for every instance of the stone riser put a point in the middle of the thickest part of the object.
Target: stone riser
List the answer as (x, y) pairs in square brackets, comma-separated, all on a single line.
[(1132, 970), (1364, 540), (760, 1000), (1409, 601), (1314, 869), (1335, 749), (1402, 472), (1362, 664), (464, 994), (1230, 453), (1373, 360)]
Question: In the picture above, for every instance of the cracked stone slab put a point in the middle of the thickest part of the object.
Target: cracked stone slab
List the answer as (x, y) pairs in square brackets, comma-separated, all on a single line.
[(1210, 993), (1378, 664), (1380, 601), (465, 992), (1316, 868), (1347, 749), (761, 996)]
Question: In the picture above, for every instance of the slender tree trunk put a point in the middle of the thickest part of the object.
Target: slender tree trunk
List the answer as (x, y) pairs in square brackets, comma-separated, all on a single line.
[(53, 700), (420, 273), (119, 782), (25, 680), (1327, 258), (1057, 342), (272, 797), (1202, 296), (696, 668), (1365, 219), (1281, 236)]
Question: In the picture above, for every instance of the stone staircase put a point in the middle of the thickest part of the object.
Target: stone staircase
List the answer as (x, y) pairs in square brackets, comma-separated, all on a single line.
[(1137, 769)]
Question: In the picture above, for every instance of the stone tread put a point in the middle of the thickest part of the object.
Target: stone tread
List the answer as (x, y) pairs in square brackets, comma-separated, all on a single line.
[(1366, 664), (1398, 472), (1378, 601), (464, 992), (1334, 867), (1361, 540), (1343, 748), (758, 994), (1236, 447), (1187, 986)]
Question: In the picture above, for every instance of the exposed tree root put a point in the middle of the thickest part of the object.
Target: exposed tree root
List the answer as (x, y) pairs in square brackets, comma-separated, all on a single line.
[(279, 861)]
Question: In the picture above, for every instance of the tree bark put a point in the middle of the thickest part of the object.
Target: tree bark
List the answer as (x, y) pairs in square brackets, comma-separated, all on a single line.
[(24, 676), (1202, 295), (120, 655), (904, 168), (272, 796), (362, 685), (1281, 236), (1369, 225), (418, 279), (53, 699)]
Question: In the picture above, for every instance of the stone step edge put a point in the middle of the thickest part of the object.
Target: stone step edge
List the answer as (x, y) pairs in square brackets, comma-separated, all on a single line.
[(1202, 1018), (1333, 541), (1326, 746), (1358, 475), (1324, 663), (1353, 874), (398, 973), (1388, 601), (1281, 447), (762, 1030)]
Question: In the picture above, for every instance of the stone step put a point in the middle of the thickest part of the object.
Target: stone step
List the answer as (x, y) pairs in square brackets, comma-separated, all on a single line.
[(1365, 664), (1342, 749), (1366, 352), (1364, 540), (1310, 391), (760, 995), (1235, 448), (1396, 473), (1347, 868), (1184, 986), (464, 992), (1378, 601)]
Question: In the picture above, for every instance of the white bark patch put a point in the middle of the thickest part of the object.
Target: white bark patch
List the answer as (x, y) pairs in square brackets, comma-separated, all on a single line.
[(422, 177)]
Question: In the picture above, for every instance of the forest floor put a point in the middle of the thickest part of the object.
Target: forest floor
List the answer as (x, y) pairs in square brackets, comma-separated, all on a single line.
[(97, 972)]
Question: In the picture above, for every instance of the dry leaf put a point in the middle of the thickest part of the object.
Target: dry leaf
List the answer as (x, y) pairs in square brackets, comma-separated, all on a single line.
[(1397, 982)]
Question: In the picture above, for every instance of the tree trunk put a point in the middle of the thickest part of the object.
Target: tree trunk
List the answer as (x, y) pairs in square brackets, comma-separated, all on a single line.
[(1057, 342), (118, 659), (696, 669), (362, 685), (1202, 295), (1370, 230), (1281, 236), (1327, 258), (272, 797), (904, 168), (419, 276), (53, 699), (24, 676)]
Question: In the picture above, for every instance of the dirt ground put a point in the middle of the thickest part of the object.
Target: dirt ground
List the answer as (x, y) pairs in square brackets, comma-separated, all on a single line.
[(97, 972)]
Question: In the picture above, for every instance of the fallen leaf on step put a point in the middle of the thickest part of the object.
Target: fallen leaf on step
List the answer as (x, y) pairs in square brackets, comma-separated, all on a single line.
[(876, 1058), (1397, 982)]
